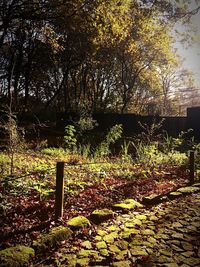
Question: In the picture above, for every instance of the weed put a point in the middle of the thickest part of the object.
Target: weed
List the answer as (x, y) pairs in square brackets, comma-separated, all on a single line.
[(70, 139), (15, 141), (43, 189), (112, 136)]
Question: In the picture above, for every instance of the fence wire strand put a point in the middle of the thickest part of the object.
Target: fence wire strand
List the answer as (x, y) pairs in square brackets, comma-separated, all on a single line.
[(29, 174), (67, 164)]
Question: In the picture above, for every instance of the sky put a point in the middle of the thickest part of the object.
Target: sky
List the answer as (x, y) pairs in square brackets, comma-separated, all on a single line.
[(191, 55)]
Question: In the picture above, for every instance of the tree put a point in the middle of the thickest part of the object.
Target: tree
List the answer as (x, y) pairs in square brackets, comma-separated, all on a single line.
[(103, 55)]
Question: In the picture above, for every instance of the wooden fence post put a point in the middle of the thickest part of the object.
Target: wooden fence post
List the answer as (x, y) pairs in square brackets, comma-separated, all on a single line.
[(59, 201), (191, 166)]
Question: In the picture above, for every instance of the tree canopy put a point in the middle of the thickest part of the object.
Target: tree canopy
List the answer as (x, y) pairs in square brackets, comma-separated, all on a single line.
[(102, 55)]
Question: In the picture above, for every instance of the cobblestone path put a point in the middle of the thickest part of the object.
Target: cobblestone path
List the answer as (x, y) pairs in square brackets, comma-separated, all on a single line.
[(166, 235)]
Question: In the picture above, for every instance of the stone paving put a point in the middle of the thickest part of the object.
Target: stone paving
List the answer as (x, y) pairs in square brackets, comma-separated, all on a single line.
[(166, 235)]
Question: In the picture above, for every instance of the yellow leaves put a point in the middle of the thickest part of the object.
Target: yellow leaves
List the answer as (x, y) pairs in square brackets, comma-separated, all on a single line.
[(112, 20), (48, 35)]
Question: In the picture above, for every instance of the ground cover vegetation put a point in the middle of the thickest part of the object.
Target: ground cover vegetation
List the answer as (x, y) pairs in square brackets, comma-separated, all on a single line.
[(106, 56), (86, 56), (147, 165)]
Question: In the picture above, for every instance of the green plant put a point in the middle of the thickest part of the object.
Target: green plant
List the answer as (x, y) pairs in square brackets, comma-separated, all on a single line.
[(125, 151), (42, 189), (52, 151), (86, 122), (84, 151), (150, 131), (15, 140), (4, 205), (70, 139), (112, 136)]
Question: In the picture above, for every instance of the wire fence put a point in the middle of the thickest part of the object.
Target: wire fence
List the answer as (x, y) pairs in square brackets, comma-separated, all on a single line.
[(60, 169), (13, 178)]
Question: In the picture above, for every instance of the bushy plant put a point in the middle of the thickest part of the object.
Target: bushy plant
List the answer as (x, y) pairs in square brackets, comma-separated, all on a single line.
[(70, 139), (164, 151), (112, 136), (52, 151), (126, 157), (150, 131), (15, 139), (86, 122)]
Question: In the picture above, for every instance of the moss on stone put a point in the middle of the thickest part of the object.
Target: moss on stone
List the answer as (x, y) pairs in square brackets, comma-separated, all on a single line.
[(128, 204), (88, 253), (153, 218), (152, 199), (98, 238), (101, 245), (121, 255), (122, 264), (196, 185), (127, 233), (113, 248), (164, 259), (148, 232), (165, 252), (16, 256), (86, 244), (138, 251), (110, 237), (141, 217), (83, 262), (114, 228), (104, 252), (122, 244), (99, 216), (78, 222), (174, 195), (187, 246), (71, 260), (188, 190), (101, 232), (56, 235)]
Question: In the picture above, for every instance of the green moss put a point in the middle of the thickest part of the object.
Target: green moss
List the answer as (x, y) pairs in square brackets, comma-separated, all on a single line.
[(165, 252), (101, 232), (110, 237), (78, 222), (127, 233), (101, 245), (104, 252), (16, 256), (148, 232), (188, 190), (71, 260), (138, 251), (83, 262), (164, 259), (98, 238), (88, 253), (99, 216), (141, 217), (122, 244), (128, 204), (121, 264), (133, 223), (121, 255), (56, 235), (174, 195), (113, 228), (152, 199), (114, 249), (86, 244)]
